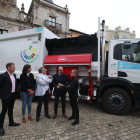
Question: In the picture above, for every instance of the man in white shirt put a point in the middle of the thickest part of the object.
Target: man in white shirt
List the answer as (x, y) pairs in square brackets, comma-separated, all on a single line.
[(42, 92)]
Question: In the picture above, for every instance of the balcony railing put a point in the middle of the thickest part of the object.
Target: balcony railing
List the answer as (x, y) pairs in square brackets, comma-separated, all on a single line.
[(53, 25)]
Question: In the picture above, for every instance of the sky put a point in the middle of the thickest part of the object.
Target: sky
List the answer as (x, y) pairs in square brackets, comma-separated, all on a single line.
[(84, 13)]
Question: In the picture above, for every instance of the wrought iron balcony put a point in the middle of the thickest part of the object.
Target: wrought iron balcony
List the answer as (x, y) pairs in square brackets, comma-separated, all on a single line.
[(53, 26)]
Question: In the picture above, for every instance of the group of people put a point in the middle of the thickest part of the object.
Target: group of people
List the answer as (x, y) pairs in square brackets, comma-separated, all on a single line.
[(39, 88)]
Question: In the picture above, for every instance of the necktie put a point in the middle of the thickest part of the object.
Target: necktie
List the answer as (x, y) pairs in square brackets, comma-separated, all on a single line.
[(60, 78)]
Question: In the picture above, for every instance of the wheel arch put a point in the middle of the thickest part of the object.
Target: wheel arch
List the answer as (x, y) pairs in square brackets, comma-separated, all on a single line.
[(117, 83)]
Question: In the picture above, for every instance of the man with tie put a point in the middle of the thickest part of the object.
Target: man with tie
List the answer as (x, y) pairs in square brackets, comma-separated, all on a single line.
[(7, 95), (60, 91)]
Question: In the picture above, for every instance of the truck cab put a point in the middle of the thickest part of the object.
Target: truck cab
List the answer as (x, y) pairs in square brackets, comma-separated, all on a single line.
[(120, 88)]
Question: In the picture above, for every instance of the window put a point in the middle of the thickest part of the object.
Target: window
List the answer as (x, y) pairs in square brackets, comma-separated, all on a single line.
[(124, 36), (129, 53), (3, 31), (113, 37), (117, 36), (52, 21)]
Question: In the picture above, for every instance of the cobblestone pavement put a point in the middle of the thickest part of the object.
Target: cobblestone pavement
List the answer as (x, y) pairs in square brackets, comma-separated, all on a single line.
[(94, 124)]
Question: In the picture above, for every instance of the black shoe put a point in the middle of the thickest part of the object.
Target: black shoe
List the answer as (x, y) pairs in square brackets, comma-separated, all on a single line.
[(14, 124), (37, 119), (47, 116), (71, 118), (75, 122), (2, 132)]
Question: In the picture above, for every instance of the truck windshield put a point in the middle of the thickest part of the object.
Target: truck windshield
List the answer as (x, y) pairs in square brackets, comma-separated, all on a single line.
[(131, 53)]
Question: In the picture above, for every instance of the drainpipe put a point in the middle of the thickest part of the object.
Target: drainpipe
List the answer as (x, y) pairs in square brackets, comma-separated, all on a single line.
[(103, 48)]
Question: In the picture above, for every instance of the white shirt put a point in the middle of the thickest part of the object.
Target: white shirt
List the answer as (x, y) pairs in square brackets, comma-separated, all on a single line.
[(12, 81), (28, 74)]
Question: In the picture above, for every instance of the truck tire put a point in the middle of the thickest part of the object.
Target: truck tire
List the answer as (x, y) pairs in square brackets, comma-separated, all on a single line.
[(116, 101)]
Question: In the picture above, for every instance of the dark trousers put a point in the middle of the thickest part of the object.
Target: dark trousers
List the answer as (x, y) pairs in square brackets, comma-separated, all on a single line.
[(42, 99), (63, 101), (7, 105), (74, 106)]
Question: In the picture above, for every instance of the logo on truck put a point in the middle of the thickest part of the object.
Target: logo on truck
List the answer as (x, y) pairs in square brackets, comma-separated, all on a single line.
[(62, 59), (29, 58)]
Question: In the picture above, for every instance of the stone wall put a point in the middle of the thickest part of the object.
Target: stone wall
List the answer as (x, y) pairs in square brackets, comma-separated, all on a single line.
[(13, 19), (8, 10), (42, 10)]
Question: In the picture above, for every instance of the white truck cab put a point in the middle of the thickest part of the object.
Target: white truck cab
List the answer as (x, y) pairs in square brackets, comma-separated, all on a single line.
[(121, 84), (124, 59)]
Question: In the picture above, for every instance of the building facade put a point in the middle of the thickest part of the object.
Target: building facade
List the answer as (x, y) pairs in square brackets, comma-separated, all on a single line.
[(75, 33), (118, 33), (41, 13)]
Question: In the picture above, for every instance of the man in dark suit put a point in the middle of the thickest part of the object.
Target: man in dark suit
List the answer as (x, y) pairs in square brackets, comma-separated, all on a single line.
[(60, 91), (7, 95), (73, 94)]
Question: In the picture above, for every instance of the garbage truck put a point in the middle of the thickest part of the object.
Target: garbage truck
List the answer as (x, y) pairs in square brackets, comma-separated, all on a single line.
[(112, 77)]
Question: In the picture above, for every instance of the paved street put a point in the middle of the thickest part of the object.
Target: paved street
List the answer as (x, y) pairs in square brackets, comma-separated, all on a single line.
[(94, 124)]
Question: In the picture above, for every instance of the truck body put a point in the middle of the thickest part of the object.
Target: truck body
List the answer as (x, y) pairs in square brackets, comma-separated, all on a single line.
[(24, 47), (112, 77)]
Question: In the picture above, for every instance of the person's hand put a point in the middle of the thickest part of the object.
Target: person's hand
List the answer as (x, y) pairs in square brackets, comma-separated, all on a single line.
[(44, 80), (29, 91), (59, 84), (58, 87), (32, 92)]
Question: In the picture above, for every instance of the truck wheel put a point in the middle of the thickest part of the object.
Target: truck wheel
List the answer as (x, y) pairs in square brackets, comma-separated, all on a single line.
[(116, 101)]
